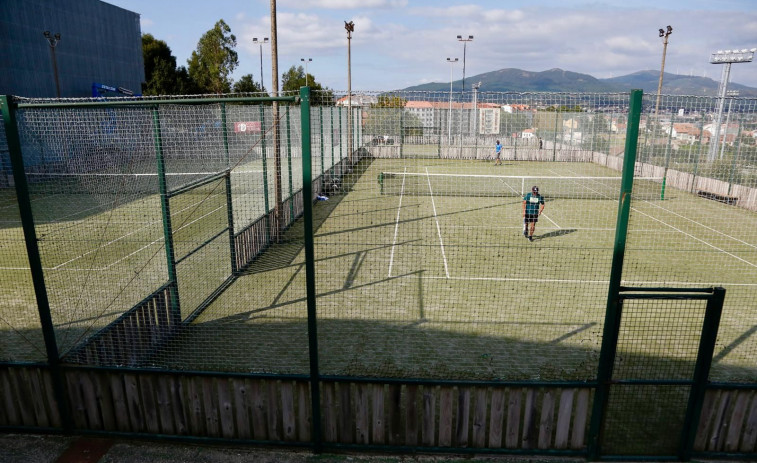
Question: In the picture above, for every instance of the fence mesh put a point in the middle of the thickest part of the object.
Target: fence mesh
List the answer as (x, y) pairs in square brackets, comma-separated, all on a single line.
[(170, 233)]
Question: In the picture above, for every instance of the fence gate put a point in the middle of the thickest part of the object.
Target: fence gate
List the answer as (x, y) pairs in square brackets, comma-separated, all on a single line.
[(651, 392)]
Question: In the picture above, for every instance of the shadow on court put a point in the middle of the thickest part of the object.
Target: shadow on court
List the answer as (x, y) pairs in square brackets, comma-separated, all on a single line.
[(555, 234)]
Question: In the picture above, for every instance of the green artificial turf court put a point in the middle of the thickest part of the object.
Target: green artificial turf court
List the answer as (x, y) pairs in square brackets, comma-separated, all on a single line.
[(435, 282)]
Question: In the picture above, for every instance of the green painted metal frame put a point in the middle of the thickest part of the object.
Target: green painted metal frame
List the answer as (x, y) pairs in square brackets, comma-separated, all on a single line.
[(35, 260)]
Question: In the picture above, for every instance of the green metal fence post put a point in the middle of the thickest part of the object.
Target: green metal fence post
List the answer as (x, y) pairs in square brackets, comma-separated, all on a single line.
[(667, 158), (612, 313), (341, 142), (320, 128), (264, 157), (289, 161), (701, 372), (35, 260), (307, 198), (402, 132), (167, 228), (229, 203), (554, 144)]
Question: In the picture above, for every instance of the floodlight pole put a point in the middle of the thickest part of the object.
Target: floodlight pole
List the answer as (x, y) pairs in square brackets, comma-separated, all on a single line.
[(53, 40), (731, 95), (449, 116), (306, 61), (350, 28), (664, 34), (462, 93), (261, 42), (726, 57)]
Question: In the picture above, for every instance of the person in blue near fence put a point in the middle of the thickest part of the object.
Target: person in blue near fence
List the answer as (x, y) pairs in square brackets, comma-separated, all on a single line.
[(497, 153), (533, 206)]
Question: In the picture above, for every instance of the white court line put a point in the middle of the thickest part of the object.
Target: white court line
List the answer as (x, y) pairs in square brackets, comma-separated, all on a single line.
[(438, 228), (693, 237), (547, 217), (701, 224), (396, 226)]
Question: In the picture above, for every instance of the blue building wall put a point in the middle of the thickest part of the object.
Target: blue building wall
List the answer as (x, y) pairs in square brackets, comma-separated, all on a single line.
[(99, 43)]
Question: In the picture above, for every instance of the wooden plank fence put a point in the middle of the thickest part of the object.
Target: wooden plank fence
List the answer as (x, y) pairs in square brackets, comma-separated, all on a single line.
[(271, 410)]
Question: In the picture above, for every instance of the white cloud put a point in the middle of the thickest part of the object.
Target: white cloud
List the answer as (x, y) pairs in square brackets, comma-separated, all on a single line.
[(344, 4)]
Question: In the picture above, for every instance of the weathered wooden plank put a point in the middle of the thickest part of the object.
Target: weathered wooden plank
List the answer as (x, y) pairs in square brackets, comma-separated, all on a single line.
[(178, 408), (512, 431), (394, 420), (428, 427), (288, 417), (12, 414), (120, 407), (411, 415), (226, 408), (378, 414), (133, 403), (20, 379), (304, 411), (529, 420), (716, 439), (164, 403), (210, 407), (78, 412), (463, 416), (196, 420), (497, 417), (148, 403), (242, 408), (709, 409), (580, 418), (52, 403), (274, 410), (478, 434), (736, 421), (329, 412), (565, 412), (547, 420), (89, 397), (37, 388), (346, 426), (749, 442), (362, 413), (259, 409)]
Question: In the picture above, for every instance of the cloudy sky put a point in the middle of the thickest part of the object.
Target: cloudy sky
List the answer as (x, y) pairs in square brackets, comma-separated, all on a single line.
[(399, 43)]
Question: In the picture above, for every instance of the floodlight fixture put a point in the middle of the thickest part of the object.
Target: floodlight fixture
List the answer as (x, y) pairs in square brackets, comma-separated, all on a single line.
[(726, 57)]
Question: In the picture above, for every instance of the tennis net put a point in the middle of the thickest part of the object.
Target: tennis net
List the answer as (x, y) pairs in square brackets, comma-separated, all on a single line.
[(472, 185)]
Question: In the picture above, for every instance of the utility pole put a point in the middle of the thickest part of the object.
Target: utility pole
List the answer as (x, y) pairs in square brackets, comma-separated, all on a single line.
[(53, 40), (350, 28)]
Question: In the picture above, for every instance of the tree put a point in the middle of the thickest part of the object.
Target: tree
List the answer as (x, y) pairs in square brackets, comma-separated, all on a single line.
[(214, 59), (162, 77), (246, 84), (387, 101), (294, 78)]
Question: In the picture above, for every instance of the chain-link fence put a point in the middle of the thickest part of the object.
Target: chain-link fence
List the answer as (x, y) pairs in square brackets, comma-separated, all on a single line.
[(455, 237)]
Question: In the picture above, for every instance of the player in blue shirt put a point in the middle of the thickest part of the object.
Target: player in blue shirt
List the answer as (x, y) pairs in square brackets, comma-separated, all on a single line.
[(497, 152), (533, 206)]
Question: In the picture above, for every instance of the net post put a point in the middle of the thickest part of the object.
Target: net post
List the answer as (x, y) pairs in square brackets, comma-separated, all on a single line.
[(13, 141), (175, 312), (229, 203), (264, 157), (613, 310), (307, 197)]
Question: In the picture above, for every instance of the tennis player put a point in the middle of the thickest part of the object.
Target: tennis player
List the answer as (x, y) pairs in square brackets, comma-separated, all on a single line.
[(533, 206), (497, 152)]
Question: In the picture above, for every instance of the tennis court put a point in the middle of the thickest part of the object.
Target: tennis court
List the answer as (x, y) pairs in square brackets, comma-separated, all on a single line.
[(435, 279)]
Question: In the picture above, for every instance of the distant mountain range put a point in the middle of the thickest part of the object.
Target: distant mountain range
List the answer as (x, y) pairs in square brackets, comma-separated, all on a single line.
[(558, 80)]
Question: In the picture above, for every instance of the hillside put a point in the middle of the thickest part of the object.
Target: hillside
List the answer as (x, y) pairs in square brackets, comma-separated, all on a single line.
[(558, 80)]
